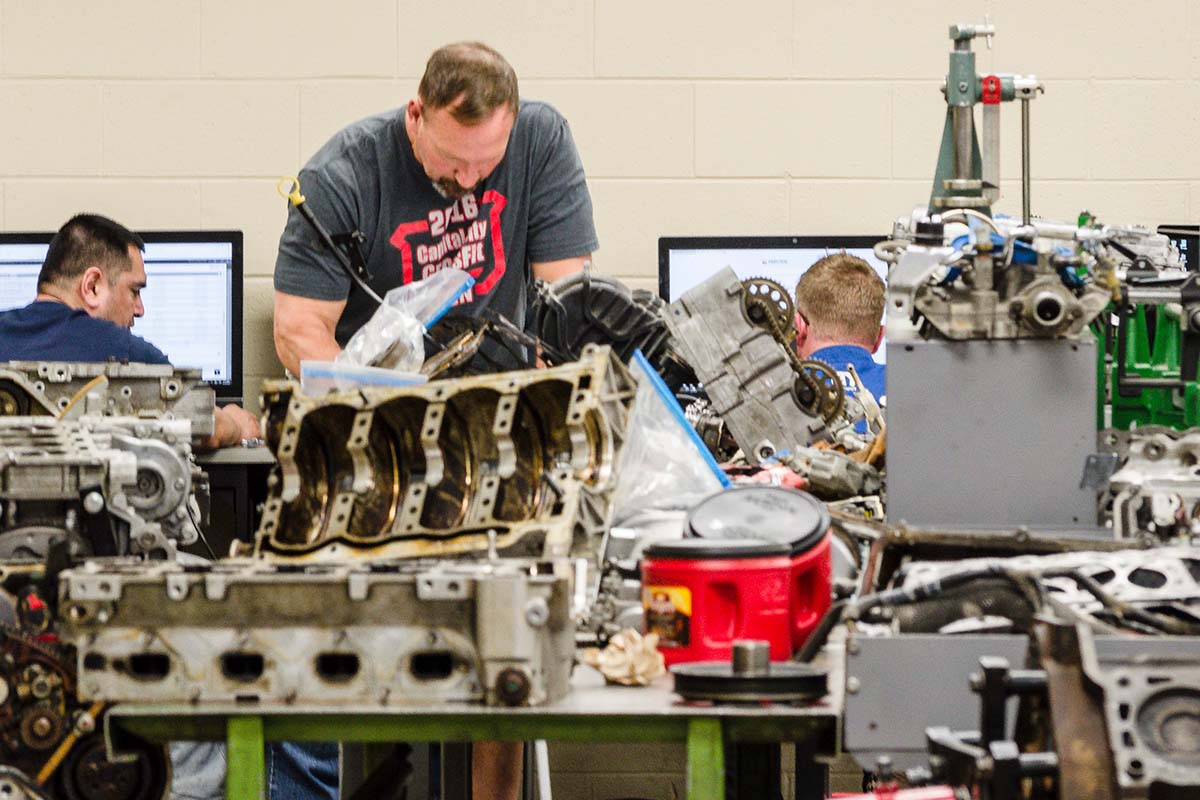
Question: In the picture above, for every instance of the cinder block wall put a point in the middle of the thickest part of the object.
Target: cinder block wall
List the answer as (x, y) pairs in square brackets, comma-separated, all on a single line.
[(696, 117), (693, 117)]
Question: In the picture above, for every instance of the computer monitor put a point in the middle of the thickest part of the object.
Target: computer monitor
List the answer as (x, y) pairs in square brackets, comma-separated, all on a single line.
[(1187, 239), (193, 297), (687, 261)]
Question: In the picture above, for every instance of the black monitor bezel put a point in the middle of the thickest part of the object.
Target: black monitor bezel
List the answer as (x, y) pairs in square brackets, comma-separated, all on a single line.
[(668, 243), (231, 391)]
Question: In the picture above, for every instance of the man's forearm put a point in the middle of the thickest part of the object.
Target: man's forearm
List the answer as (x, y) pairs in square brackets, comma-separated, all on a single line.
[(313, 344)]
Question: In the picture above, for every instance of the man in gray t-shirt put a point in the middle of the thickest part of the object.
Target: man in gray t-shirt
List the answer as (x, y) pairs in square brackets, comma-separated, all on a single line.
[(465, 177)]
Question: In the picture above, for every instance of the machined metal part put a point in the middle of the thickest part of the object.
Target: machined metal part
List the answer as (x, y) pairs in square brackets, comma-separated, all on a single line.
[(770, 304), (109, 485), (1162, 579), (1025, 303), (1155, 492), (524, 460), (1151, 704), (832, 475), (894, 547), (749, 677), (131, 390), (749, 376), (1076, 719), (384, 633), (897, 686), (978, 291)]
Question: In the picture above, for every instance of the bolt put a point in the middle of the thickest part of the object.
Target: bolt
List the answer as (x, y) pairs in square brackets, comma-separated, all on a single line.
[(512, 686), (147, 539), (852, 647), (537, 612), (93, 502), (976, 681), (180, 483), (962, 86), (42, 726), (852, 685), (86, 723)]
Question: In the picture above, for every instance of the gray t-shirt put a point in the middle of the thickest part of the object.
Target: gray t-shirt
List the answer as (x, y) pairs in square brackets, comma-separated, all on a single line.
[(534, 207)]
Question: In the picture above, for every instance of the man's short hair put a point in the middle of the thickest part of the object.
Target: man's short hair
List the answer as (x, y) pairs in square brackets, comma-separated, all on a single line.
[(842, 298), (88, 240), (471, 79)]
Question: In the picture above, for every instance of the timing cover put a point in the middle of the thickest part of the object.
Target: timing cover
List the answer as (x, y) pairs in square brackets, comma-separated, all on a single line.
[(746, 372)]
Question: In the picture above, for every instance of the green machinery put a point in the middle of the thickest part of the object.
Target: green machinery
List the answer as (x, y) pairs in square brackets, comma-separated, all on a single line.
[(1148, 370)]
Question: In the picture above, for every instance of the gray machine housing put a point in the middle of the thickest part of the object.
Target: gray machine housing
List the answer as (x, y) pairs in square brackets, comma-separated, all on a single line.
[(1004, 447), (897, 686)]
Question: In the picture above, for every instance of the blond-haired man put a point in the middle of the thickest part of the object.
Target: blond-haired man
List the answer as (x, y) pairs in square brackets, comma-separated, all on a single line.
[(839, 319)]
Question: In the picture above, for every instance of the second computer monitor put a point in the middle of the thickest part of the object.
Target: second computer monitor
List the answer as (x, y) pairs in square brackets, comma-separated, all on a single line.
[(687, 261), (193, 297)]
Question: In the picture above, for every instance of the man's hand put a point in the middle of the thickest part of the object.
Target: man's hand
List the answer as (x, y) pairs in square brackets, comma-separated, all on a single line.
[(233, 425), (304, 329)]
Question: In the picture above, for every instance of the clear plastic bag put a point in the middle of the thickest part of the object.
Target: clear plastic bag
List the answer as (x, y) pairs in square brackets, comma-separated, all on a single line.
[(664, 465), (393, 336), (321, 377)]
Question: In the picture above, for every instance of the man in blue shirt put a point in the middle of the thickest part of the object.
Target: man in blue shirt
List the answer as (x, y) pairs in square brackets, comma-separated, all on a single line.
[(839, 319), (88, 296)]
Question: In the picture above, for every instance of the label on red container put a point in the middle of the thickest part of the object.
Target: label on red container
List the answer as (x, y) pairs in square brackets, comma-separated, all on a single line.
[(669, 614)]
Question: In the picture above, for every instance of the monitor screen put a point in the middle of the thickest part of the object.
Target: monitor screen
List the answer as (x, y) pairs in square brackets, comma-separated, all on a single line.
[(1187, 239), (193, 296), (686, 262)]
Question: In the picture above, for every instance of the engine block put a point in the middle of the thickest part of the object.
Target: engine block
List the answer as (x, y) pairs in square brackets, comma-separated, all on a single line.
[(1156, 490), (521, 462)]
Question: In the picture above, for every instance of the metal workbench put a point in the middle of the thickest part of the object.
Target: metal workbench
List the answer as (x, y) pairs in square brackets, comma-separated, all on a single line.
[(592, 712)]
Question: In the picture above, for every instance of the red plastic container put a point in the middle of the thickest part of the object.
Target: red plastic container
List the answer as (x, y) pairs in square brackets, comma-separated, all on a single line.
[(699, 595), (787, 516)]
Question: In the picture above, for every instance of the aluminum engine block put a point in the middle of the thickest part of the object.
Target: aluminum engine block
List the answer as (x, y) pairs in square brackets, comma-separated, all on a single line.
[(1156, 490), (1161, 578), (35, 388), (387, 633), (109, 485), (1151, 707), (522, 458)]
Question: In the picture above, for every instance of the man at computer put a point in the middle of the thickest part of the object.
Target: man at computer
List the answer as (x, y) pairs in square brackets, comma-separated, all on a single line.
[(88, 296), (839, 316)]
